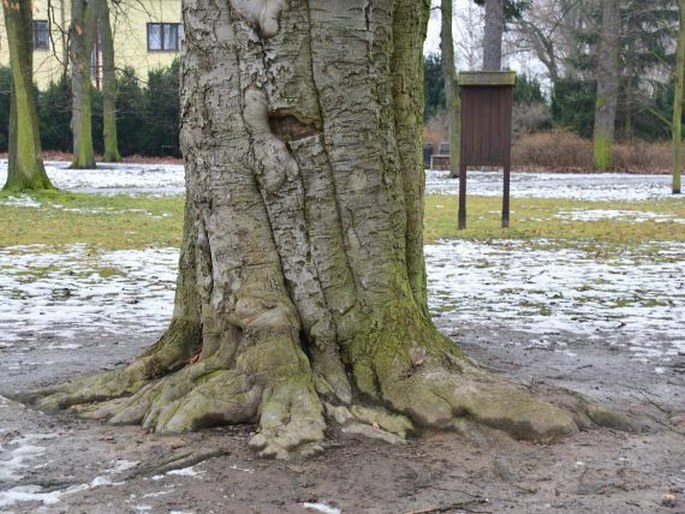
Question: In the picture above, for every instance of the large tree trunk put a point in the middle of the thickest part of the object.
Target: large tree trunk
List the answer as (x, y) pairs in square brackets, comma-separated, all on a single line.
[(607, 86), (109, 85), (302, 279), (25, 169), (449, 73), (492, 35), (82, 36), (678, 102)]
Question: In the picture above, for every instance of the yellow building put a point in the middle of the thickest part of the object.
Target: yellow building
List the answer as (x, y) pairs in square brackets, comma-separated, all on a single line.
[(147, 36)]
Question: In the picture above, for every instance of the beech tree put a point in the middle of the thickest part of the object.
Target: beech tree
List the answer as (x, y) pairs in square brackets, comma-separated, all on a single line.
[(109, 85), (607, 86), (449, 72), (301, 295), (25, 168), (492, 35), (678, 102), (82, 33)]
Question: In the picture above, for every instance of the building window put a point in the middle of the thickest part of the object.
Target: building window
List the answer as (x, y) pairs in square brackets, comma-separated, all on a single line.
[(41, 36), (164, 36)]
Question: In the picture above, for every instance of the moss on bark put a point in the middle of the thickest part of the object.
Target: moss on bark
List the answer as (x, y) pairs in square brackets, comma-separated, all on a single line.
[(82, 33), (25, 167)]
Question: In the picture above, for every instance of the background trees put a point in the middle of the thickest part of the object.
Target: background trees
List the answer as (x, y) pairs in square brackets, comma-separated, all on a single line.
[(557, 43), (146, 116)]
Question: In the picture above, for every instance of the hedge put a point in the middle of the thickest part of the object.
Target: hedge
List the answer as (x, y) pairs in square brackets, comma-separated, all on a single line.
[(147, 117)]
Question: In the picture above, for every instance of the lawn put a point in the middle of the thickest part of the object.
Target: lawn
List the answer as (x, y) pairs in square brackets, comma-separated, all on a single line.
[(136, 222)]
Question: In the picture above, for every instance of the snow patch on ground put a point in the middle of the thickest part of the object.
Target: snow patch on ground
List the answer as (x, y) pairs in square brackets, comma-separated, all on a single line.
[(321, 507), (17, 455), (45, 293), (619, 215), (183, 472), (111, 179), (168, 179), (17, 452), (586, 186), (626, 301)]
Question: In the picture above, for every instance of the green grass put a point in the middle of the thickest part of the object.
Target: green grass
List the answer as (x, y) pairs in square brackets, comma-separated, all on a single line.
[(111, 222), (118, 222), (535, 218)]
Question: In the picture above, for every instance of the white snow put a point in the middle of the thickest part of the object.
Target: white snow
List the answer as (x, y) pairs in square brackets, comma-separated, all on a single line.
[(121, 178), (45, 293), (625, 300), (321, 507), (16, 455), (168, 179), (183, 472), (619, 215), (121, 465), (17, 452), (585, 186), (28, 493)]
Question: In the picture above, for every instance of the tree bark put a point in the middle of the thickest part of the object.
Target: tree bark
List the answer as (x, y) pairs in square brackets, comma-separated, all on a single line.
[(449, 73), (678, 101), (492, 35), (607, 86), (25, 169), (301, 298), (109, 85), (82, 36)]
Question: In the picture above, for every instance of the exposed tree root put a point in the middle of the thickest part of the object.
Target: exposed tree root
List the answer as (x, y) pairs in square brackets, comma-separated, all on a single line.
[(171, 352), (291, 414), (406, 378)]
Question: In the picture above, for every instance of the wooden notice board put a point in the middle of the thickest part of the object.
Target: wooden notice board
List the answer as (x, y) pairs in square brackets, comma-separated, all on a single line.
[(486, 106)]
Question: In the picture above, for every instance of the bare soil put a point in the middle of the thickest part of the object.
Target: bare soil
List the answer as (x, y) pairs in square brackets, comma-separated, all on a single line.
[(97, 468)]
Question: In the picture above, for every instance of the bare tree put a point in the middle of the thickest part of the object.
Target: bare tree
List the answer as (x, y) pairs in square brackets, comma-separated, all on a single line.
[(678, 102), (82, 35), (492, 35), (25, 166), (607, 85), (109, 85), (449, 73)]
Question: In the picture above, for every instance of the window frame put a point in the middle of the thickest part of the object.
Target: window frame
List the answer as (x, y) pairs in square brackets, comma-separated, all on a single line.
[(163, 29), (40, 27)]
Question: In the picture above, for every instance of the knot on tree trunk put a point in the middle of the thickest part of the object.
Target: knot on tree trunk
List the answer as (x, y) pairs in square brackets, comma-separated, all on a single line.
[(262, 13)]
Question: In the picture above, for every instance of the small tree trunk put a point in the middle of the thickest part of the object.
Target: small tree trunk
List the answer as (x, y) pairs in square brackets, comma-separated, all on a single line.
[(607, 86), (82, 34), (109, 86), (492, 35), (452, 99), (25, 167), (678, 101)]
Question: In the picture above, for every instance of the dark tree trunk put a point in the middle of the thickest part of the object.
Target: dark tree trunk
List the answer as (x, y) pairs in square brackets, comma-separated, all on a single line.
[(492, 35), (82, 37), (449, 73), (678, 102), (109, 85), (607, 85), (25, 170)]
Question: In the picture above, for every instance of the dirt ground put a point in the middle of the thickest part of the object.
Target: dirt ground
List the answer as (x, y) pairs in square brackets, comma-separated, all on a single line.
[(56, 464)]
